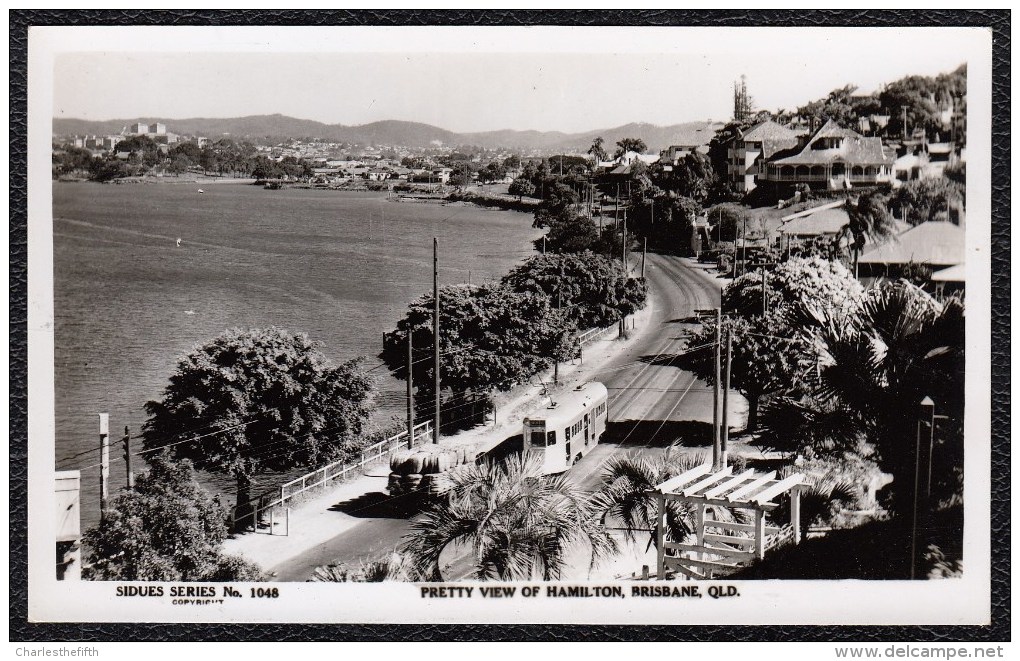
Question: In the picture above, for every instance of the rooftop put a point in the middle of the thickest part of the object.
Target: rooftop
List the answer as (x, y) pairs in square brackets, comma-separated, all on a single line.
[(936, 242), (855, 149), (825, 221), (769, 130)]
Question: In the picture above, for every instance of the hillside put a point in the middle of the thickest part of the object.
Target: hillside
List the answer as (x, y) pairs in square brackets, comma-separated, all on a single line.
[(395, 132)]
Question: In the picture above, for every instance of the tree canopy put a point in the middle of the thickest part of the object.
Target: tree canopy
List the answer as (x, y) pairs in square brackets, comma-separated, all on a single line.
[(485, 344), (165, 529), (924, 200), (630, 144), (593, 288), (257, 400), (770, 351)]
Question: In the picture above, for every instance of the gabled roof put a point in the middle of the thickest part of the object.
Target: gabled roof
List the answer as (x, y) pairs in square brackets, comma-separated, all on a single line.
[(831, 129), (824, 221), (768, 130), (933, 243), (856, 149)]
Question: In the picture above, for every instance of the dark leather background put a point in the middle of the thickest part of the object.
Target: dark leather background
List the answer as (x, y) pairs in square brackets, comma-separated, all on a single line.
[(999, 630)]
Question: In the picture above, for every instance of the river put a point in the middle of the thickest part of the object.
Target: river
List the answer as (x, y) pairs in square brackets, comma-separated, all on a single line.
[(340, 266)]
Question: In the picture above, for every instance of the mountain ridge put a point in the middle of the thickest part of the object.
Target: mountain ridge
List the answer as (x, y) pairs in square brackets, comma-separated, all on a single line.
[(397, 132)]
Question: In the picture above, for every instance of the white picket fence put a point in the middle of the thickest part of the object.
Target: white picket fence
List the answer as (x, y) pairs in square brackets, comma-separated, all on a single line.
[(334, 471)]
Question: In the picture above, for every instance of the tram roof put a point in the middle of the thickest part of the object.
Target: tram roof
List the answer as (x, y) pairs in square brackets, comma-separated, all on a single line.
[(567, 404)]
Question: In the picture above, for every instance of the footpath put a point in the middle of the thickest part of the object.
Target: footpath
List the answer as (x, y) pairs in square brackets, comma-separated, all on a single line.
[(315, 519)]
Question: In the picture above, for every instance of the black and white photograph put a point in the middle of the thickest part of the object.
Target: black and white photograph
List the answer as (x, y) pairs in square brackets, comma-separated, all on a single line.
[(603, 325)]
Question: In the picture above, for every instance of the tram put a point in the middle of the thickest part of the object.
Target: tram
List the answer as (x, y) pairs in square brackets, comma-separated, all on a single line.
[(568, 427)]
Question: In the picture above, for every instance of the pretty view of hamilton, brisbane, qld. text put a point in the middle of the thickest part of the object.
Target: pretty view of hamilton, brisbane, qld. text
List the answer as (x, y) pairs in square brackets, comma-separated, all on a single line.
[(629, 321)]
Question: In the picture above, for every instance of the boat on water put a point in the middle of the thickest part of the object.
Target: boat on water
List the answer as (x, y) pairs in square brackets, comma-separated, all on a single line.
[(200, 190)]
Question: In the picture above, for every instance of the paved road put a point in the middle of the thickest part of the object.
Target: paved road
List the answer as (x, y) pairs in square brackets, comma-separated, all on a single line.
[(652, 403)]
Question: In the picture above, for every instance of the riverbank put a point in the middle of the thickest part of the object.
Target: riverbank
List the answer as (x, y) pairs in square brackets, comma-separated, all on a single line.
[(339, 266), (319, 520)]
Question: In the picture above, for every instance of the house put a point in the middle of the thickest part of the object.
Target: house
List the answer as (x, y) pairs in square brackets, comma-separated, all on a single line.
[(834, 158), (825, 221), (747, 154), (690, 137), (936, 244)]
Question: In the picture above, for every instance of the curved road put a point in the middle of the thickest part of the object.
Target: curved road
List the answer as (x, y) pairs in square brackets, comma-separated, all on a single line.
[(652, 403)]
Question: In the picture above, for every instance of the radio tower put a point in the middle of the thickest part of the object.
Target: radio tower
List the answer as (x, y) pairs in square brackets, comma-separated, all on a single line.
[(742, 102)]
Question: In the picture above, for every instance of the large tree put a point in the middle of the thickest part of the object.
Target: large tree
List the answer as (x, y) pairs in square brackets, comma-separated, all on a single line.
[(521, 186), (167, 528), (924, 200), (512, 521), (490, 338), (770, 351), (256, 400), (693, 176), (592, 288)]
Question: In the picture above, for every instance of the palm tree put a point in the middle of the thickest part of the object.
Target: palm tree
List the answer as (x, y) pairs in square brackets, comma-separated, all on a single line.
[(869, 218), (375, 571), (873, 371), (628, 495), (516, 523), (597, 151)]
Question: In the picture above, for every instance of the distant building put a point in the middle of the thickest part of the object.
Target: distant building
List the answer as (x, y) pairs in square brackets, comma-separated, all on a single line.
[(156, 131), (691, 137)]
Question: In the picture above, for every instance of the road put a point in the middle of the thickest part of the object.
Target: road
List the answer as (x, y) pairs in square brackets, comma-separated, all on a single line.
[(652, 403)]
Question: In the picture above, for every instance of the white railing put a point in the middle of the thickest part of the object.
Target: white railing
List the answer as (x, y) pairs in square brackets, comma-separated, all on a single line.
[(334, 471), (593, 334)]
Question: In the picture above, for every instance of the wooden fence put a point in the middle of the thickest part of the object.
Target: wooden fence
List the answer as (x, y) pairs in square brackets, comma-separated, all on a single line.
[(335, 471)]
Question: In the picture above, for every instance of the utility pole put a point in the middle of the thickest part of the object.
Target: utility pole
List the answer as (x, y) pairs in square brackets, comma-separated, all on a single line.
[(644, 255), (435, 330), (716, 441), (127, 458), (410, 389), (923, 447), (725, 400), (104, 462), (743, 247), (559, 286), (625, 265), (764, 293)]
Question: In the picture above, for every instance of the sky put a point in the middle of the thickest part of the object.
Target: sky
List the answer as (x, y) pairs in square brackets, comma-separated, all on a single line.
[(569, 81)]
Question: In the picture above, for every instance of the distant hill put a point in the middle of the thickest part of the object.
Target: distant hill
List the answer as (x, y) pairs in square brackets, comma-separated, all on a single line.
[(395, 132)]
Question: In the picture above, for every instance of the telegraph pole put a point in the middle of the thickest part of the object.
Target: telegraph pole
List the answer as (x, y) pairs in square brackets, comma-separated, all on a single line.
[(127, 458), (410, 389), (764, 293), (923, 447), (435, 329), (625, 265), (725, 399), (644, 255), (716, 441), (104, 462)]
